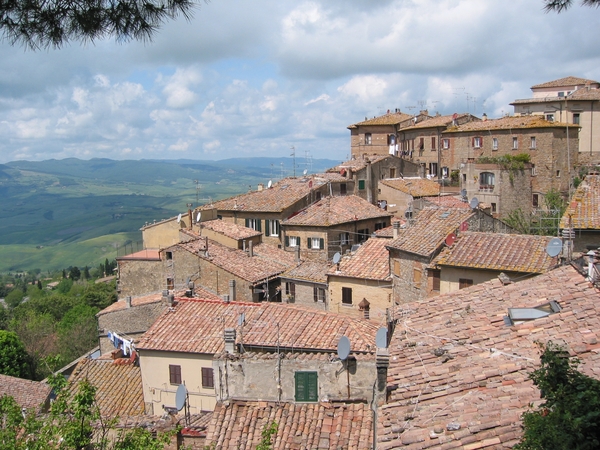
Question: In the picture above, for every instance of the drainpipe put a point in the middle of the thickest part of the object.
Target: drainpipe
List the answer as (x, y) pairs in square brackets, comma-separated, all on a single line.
[(369, 176)]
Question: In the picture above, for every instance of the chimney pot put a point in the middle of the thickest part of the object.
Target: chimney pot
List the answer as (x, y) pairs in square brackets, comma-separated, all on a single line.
[(232, 290), (396, 228), (250, 249), (128, 301), (226, 298), (229, 337)]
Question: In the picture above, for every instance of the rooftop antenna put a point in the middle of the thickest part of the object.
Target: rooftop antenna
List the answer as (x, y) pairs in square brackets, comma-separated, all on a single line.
[(305, 172), (269, 184), (197, 190), (450, 239), (198, 217), (293, 155)]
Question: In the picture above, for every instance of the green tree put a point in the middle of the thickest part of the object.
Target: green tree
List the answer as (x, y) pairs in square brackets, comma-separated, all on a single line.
[(39, 285), (86, 272), (570, 416), (74, 273), (563, 5), (37, 332), (14, 298), (14, 360), (54, 23)]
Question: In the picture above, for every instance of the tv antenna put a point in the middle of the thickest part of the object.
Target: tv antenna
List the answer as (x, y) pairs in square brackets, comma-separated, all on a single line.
[(293, 155)]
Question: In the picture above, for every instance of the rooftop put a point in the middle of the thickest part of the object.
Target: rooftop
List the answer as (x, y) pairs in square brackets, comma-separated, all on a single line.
[(497, 251), (508, 123), (314, 271), (336, 210), (28, 394), (356, 164), (238, 425), (417, 187), (448, 201), (584, 208), (441, 121), (458, 375), (565, 82), (392, 118), (118, 385), (142, 255), (277, 198), (230, 229), (430, 228), (370, 261), (197, 326)]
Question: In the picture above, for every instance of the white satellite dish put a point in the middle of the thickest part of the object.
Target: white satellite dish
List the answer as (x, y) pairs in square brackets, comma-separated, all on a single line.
[(381, 338), (180, 397), (554, 247), (337, 257), (198, 217), (474, 203), (241, 319), (179, 218), (343, 348), (305, 171), (269, 184)]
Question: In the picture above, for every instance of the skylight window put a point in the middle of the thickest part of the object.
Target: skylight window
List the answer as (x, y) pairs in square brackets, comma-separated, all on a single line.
[(517, 316)]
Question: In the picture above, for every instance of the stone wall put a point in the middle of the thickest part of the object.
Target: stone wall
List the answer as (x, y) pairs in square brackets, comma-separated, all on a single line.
[(304, 293), (139, 277), (409, 276), (377, 293)]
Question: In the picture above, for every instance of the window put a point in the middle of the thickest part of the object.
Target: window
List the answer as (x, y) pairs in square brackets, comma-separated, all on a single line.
[(343, 188), (290, 289), (517, 316), (361, 185), (380, 226), (421, 143), (432, 143), (561, 93), (477, 142), (494, 143), (445, 172), (464, 178), (319, 294), (307, 386), (433, 167), (363, 235), (396, 267), (558, 174), (208, 379), (535, 201), (533, 170), (174, 374), (392, 172), (515, 143), (445, 144), (346, 296), (391, 139), (486, 181), (292, 241), (464, 283), (494, 207), (169, 255), (316, 243), (550, 117), (576, 118), (532, 142), (368, 138), (344, 238), (417, 275), (272, 227), (435, 279), (255, 224)]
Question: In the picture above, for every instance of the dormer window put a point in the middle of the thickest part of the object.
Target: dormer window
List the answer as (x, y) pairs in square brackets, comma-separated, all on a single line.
[(517, 316)]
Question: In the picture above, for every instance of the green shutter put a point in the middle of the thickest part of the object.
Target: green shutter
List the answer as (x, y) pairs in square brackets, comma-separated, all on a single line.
[(258, 227), (247, 223), (267, 230), (361, 184), (322, 243), (277, 230), (307, 387), (287, 241), (308, 243)]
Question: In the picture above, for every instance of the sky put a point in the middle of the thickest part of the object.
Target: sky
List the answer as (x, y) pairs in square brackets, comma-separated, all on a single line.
[(267, 78)]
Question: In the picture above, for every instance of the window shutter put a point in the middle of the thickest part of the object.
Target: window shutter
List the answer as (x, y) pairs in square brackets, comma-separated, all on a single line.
[(315, 294), (287, 241), (307, 386), (308, 243), (267, 228), (312, 385), (277, 230), (472, 142), (322, 243), (258, 227), (300, 386), (247, 223)]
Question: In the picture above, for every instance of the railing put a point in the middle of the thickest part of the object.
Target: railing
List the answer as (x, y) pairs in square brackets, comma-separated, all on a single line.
[(486, 188)]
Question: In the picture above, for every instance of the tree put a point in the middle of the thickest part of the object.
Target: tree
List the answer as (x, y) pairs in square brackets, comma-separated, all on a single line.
[(14, 298), (55, 22), (570, 416), (14, 360), (563, 5)]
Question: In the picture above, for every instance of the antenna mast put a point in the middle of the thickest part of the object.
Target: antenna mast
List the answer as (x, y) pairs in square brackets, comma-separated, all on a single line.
[(293, 155)]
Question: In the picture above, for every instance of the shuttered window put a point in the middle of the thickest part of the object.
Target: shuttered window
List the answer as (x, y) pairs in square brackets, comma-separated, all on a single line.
[(208, 380), (174, 374), (307, 387), (464, 283)]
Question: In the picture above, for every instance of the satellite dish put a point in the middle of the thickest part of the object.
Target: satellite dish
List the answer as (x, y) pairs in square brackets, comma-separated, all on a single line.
[(305, 171), (198, 217), (474, 203), (343, 348), (180, 397), (554, 247), (463, 193), (464, 226), (179, 218), (269, 184), (383, 204), (450, 239), (337, 257), (241, 319), (381, 338)]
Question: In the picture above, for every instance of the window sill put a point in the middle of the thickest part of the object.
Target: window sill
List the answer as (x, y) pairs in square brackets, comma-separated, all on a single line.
[(346, 305)]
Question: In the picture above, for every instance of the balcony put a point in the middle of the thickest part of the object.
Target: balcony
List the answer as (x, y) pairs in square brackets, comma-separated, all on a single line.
[(486, 188)]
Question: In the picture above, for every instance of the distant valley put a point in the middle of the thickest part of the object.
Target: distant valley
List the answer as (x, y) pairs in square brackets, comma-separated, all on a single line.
[(58, 213)]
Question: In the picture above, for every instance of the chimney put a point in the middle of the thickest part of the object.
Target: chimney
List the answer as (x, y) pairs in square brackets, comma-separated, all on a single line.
[(229, 335), (128, 301), (232, 290), (261, 186), (250, 249), (297, 253), (396, 229), (165, 296), (171, 300), (424, 112), (382, 362), (225, 298), (484, 117)]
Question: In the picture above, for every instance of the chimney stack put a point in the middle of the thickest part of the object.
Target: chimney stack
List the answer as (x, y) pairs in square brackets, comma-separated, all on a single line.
[(171, 300), (226, 298), (232, 290), (229, 336), (250, 249), (261, 186), (382, 362), (128, 301), (396, 229)]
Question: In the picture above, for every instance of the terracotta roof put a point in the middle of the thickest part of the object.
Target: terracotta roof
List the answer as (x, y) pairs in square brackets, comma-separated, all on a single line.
[(336, 210), (28, 394), (458, 375), (370, 261), (388, 232), (497, 251), (448, 201), (230, 229), (155, 297), (584, 207), (579, 94), (239, 424), (508, 123), (387, 119), (438, 121), (430, 229), (118, 385), (197, 326), (357, 164), (268, 260), (566, 82), (315, 271), (143, 255), (279, 197), (417, 187)]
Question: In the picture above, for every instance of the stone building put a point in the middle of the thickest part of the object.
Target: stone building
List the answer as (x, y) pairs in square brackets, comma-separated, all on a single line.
[(400, 193), (583, 215), (306, 285), (133, 271), (332, 225), (568, 100)]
